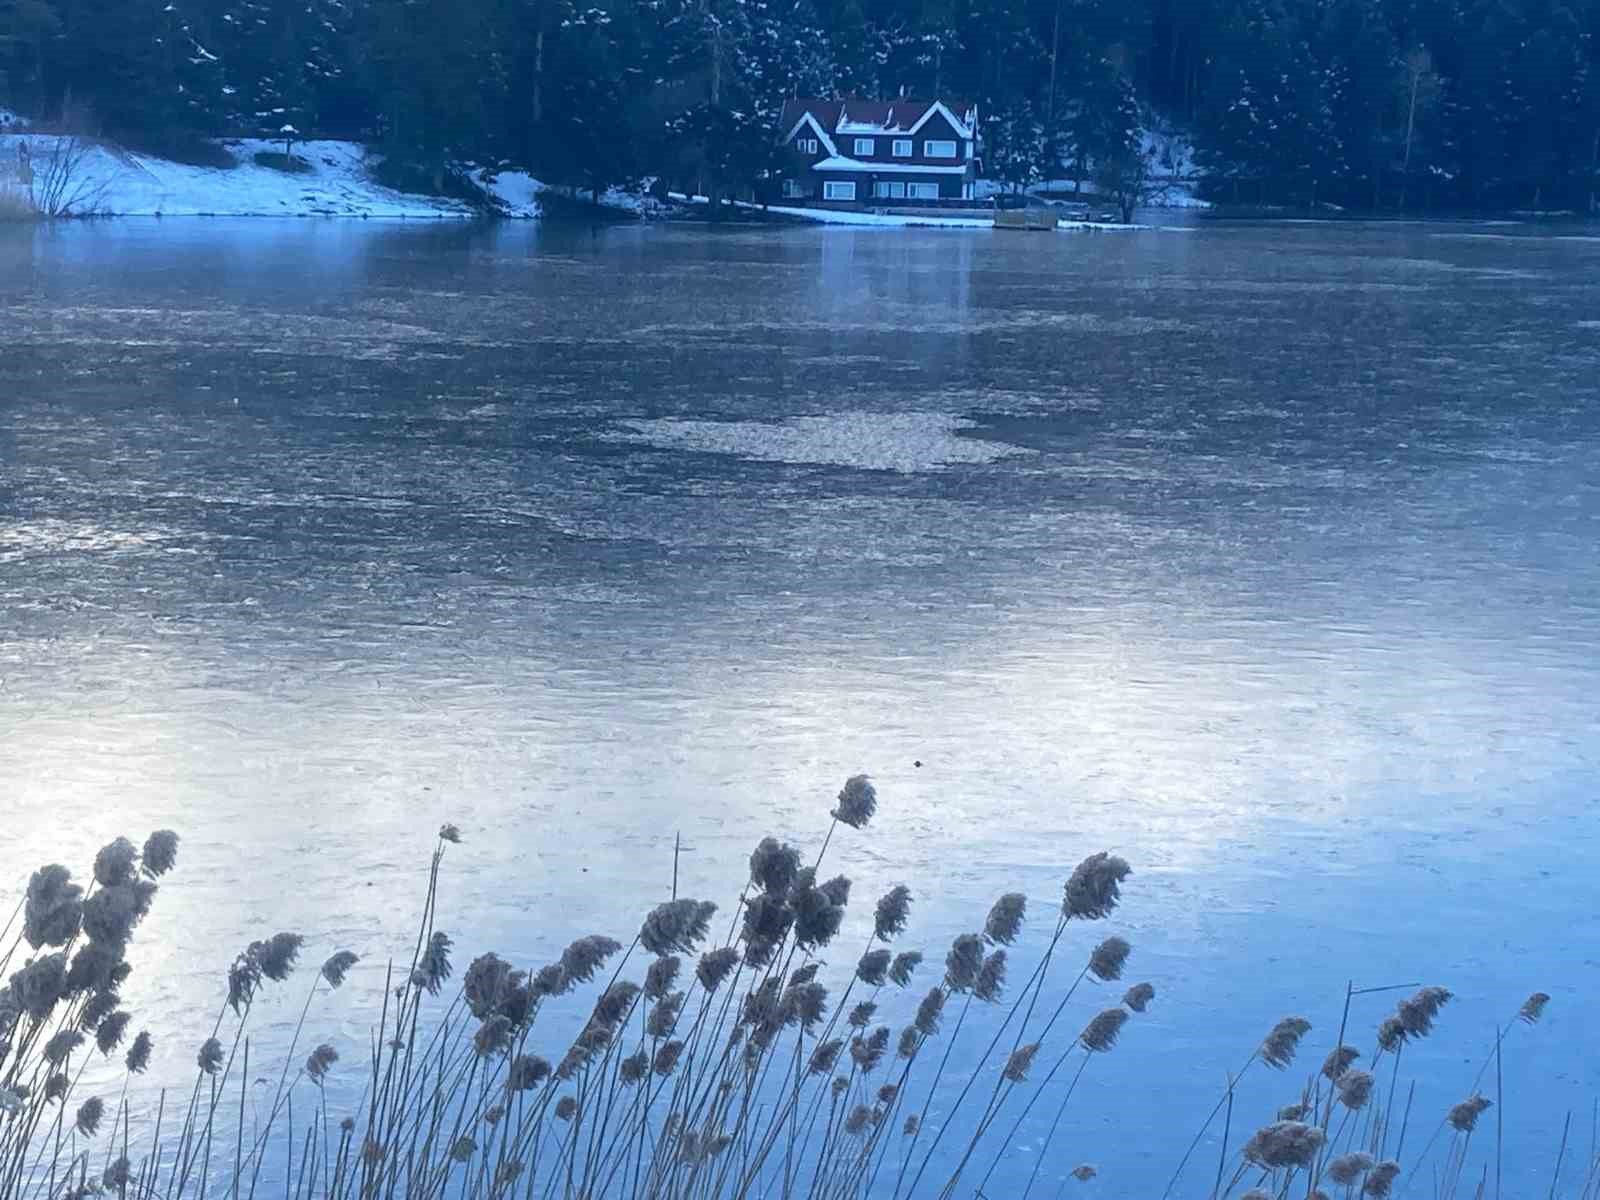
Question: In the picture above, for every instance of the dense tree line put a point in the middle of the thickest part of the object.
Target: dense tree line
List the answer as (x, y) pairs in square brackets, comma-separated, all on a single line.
[(1389, 104)]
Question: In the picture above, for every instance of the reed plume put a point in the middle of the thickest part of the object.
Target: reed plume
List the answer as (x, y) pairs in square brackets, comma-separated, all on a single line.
[(210, 1056), (715, 966), (1417, 1014), (114, 864), (1138, 997), (584, 957), (336, 966), (1083, 1172), (1355, 1088), (929, 1012), (991, 979), (109, 1033), (450, 833), (1100, 1035), (666, 1059), (904, 966), (1464, 1116), (53, 909), (677, 926), (858, 800), (433, 968), (160, 853), (963, 963), (661, 975), (320, 1061), (1381, 1179), (861, 1015), (1533, 1008), (138, 1056), (892, 911), (1347, 1168), (1284, 1144), (90, 1112), (1278, 1050), (1016, 1068), (1338, 1061), (825, 1055), (1107, 959), (873, 968), (1005, 918), (774, 866), (1094, 887)]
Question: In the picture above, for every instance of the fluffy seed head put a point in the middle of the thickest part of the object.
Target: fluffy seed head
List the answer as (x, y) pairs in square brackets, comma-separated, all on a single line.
[(116, 1175), (666, 1060), (634, 1068), (108, 1036), (1391, 1034), (929, 1012), (1107, 960), (1101, 1032), (1533, 1007), (911, 1126), (663, 1018), (338, 966), (861, 1015), (1016, 1068), (1278, 1050), (1083, 1172), (858, 800), (1347, 1168), (584, 957), (1094, 887), (1464, 1116), (160, 853), (1381, 1179), (114, 864), (892, 911), (774, 866), (89, 1114), (450, 833), (1284, 1144), (138, 1057), (615, 1003), (320, 1061), (867, 1052), (1417, 1013), (1138, 997), (873, 967), (53, 911), (210, 1056), (962, 964), (276, 955), (910, 1039), (1355, 1088), (527, 1072), (1339, 1060), (462, 1149), (433, 969), (60, 1047), (38, 986), (857, 1123), (825, 1055), (1005, 918), (767, 918), (487, 980), (991, 977), (677, 926), (805, 1005), (904, 965), (566, 1108), (715, 966), (887, 1093), (97, 1008)]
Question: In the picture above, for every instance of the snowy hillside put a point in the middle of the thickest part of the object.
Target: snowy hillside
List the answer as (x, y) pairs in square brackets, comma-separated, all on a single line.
[(333, 179)]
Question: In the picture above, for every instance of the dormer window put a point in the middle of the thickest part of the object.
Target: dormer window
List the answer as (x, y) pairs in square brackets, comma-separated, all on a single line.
[(806, 145), (864, 148)]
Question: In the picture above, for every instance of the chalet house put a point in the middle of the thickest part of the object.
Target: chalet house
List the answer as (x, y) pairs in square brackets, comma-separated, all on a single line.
[(875, 152)]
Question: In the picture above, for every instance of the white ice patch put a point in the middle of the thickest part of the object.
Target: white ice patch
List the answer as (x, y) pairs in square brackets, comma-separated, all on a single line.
[(909, 441)]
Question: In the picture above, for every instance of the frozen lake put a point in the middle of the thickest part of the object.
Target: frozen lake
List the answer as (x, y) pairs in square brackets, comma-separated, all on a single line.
[(1263, 556)]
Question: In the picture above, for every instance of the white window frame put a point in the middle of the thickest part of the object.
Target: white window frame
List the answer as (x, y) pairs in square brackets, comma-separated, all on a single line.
[(865, 147), (792, 190), (806, 145), (889, 189), (839, 189), (904, 147), (921, 191), (929, 148)]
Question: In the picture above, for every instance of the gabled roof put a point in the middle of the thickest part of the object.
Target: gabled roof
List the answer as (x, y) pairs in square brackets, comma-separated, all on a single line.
[(856, 116)]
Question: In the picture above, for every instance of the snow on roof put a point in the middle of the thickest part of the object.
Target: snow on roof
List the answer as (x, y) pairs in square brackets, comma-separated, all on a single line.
[(902, 115), (837, 162)]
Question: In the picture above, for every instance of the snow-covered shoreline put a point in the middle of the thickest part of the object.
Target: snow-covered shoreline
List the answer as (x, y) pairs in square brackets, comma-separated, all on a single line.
[(333, 179)]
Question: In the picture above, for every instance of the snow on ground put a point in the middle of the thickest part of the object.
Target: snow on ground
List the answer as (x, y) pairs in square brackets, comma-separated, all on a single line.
[(338, 183), (909, 441)]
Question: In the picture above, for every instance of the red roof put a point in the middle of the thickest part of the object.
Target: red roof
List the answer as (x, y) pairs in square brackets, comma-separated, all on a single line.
[(855, 115)]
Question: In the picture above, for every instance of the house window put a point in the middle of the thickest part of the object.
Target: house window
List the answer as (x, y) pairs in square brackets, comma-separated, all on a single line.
[(806, 145), (792, 189), (939, 148), (902, 148), (922, 191), (833, 190), (864, 148), (885, 190)]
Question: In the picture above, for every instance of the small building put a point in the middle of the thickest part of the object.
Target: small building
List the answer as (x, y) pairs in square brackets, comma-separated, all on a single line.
[(878, 152)]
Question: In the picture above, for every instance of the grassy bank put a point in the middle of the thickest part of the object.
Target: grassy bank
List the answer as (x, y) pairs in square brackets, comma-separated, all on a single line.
[(715, 1061)]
